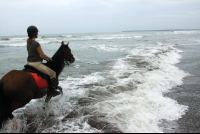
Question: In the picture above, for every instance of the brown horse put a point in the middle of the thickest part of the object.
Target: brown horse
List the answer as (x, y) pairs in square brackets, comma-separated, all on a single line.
[(18, 87)]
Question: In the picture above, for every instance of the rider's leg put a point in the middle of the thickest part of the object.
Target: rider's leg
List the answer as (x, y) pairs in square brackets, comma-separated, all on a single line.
[(46, 70), (54, 87)]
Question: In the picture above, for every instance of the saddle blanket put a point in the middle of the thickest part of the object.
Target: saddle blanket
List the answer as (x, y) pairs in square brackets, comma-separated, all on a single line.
[(42, 83)]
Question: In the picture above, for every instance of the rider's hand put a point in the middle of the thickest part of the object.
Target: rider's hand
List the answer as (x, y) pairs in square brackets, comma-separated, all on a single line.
[(49, 59)]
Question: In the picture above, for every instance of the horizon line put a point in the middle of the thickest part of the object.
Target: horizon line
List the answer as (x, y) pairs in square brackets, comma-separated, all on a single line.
[(110, 32), (160, 30)]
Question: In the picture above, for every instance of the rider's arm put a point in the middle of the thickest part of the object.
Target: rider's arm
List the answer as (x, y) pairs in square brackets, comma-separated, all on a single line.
[(42, 55)]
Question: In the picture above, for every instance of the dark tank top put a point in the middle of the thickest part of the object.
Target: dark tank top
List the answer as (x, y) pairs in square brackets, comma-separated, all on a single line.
[(33, 55)]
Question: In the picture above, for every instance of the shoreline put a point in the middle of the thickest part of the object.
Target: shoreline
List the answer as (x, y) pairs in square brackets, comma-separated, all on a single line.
[(187, 94)]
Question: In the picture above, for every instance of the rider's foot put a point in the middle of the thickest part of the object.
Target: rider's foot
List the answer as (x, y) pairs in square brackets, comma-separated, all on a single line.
[(51, 94), (53, 89), (55, 93)]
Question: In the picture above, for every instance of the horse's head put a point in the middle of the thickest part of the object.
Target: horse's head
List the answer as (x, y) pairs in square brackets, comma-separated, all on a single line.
[(67, 54), (60, 58)]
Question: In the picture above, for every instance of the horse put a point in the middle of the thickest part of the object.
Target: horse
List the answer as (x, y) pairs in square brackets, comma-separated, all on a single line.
[(18, 87)]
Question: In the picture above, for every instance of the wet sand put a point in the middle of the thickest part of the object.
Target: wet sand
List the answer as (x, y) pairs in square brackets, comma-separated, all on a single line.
[(187, 94)]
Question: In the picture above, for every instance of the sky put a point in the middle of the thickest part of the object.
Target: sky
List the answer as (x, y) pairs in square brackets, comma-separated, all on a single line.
[(97, 16)]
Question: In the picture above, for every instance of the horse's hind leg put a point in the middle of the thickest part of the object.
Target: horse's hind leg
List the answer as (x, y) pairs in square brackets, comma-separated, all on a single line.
[(49, 96), (15, 105)]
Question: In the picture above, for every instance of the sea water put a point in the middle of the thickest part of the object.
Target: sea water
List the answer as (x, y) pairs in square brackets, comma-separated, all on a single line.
[(116, 83)]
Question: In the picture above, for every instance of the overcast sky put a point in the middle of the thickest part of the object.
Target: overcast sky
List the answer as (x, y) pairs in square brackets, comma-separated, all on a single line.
[(91, 16)]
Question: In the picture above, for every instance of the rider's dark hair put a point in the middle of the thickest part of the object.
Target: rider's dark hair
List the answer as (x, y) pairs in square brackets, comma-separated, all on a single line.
[(32, 33)]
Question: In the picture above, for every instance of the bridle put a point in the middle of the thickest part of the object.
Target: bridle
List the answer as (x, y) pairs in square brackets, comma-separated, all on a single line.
[(66, 62)]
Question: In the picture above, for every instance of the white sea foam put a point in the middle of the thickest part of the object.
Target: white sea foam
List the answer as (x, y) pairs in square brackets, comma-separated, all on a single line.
[(67, 36), (77, 66), (103, 37), (13, 44), (142, 110), (16, 42), (182, 32), (105, 47), (137, 36), (72, 88), (93, 63), (19, 39), (186, 32)]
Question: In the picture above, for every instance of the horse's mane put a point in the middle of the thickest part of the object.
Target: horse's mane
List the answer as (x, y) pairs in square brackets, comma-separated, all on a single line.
[(57, 64)]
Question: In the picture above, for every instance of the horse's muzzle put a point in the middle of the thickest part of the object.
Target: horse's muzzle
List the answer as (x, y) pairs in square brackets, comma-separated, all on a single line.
[(72, 60), (69, 61)]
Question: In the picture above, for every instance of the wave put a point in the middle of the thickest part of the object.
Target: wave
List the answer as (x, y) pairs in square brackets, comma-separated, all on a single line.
[(44, 37), (18, 39), (68, 36), (5, 39), (182, 32), (139, 104), (95, 37), (186, 32), (13, 45), (131, 95), (139, 36), (56, 38), (104, 47), (20, 44)]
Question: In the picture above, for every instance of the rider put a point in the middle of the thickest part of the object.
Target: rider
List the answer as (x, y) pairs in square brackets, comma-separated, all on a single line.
[(36, 56)]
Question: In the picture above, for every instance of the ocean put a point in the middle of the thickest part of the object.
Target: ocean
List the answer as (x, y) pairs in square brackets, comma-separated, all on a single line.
[(126, 82)]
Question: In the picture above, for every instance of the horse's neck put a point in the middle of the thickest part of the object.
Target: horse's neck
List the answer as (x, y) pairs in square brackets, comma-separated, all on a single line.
[(57, 63)]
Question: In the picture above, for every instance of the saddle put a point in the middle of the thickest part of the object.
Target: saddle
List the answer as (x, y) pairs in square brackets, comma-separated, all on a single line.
[(41, 79)]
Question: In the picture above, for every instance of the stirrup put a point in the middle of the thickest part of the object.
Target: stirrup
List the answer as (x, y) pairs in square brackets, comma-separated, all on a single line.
[(55, 93), (50, 95)]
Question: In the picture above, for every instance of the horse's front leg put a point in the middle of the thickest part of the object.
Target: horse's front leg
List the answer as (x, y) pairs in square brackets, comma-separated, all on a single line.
[(49, 96)]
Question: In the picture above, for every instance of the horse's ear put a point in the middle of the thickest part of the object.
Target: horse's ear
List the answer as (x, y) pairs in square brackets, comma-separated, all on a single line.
[(68, 44), (62, 43)]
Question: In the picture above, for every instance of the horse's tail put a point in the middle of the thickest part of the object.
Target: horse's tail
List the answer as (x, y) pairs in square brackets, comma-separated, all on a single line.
[(5, 103)]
